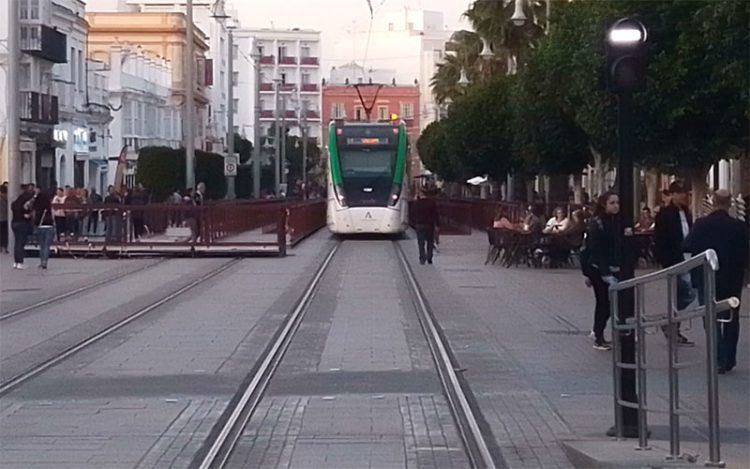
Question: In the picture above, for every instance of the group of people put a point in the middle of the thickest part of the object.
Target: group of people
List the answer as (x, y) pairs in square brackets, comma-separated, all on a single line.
[(676, 238)]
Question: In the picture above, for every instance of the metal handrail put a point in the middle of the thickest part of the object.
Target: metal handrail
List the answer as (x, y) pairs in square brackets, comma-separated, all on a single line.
[(708, 262)]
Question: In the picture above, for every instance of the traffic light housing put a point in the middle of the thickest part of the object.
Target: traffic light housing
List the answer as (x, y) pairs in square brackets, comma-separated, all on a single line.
[(626, 57)]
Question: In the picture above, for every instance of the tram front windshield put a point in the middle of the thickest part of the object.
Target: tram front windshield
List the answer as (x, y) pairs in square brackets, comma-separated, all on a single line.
[(367, 175)]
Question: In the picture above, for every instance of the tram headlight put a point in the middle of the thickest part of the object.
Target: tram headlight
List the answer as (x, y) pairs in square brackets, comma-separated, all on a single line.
[(395, 195), (339, 191)]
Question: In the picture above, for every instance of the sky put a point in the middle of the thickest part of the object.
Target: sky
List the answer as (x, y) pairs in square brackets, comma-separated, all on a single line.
[(334, 18)]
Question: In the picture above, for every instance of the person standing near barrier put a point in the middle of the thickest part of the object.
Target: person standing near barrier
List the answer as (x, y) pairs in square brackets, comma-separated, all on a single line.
[(44, 225), (4, 217), (672, 226), (729, 238), (426, 222), (197, 199), (21, 225), (93, 225), (601, 258)]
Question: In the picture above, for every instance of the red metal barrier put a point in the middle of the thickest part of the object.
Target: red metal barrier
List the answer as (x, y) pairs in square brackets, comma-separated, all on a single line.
[(227, 227), (304, 218)]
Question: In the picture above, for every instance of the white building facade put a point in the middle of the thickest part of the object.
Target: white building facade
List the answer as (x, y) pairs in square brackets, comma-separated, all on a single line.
[(81, 136), (143, 112), (43, 44), (290, 61), (206, 18)]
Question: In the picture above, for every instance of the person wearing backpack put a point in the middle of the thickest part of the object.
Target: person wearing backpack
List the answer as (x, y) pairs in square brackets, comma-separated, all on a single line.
[(601, 258)]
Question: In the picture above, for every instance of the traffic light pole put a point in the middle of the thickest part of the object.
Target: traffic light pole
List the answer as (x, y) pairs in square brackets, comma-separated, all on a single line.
[(628, 415)]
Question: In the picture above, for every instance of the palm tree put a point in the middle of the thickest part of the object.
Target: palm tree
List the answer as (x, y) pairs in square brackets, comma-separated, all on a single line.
[(491, 20)]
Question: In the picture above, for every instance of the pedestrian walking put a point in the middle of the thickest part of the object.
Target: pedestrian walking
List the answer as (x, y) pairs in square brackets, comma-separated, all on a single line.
[(44, 226), (4, 217), (601, 259), (138, 198), (672, 225), (426, 223), (729, 238), (197, 199), (21, 226)]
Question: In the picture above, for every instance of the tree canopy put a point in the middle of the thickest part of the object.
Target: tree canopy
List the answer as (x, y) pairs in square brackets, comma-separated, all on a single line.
[(547, 117)]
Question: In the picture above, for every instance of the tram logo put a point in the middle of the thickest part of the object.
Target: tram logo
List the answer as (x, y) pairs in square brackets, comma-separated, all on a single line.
[(368, 216)]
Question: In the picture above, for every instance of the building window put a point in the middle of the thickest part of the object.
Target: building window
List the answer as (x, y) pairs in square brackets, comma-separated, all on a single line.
[(73, 68), (305, 78), (235, 78), (235, 105), (382, 113), (24, 77), (359, 113), (262, 104), (305, 51), (390, 27), (410, 26), (236, 130), (338, 111), (437, 54), (34, 10), (235, 51), (81, 77), (282, 52), (283, 78), (260, 51), (407, 111)]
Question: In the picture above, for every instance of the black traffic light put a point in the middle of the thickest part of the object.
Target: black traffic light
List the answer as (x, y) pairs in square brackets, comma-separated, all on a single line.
[(626, 56)]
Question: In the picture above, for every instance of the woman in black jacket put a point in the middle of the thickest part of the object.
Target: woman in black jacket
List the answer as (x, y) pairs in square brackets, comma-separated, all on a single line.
[(603, 257), (21, 226)]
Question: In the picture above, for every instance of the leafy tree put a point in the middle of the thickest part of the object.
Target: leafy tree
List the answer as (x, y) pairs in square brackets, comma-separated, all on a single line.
[(244, 147), (433, 152)]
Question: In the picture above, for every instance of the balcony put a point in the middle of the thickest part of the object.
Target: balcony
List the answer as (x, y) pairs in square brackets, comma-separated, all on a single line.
[(44, 42), (266, 114), (267, 60), (309, 61), (312, 115), (287, 61), (286, 87), (266, 86), (310, 88), (39, 108), (290, 114)]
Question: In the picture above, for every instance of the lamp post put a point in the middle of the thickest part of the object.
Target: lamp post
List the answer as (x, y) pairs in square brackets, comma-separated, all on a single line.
[(277, 137), (13, 126), (189, 98), (626, 64), (219, 13), (257, 157)]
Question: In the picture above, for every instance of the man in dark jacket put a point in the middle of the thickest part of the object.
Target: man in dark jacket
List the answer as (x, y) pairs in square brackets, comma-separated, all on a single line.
[(672, 226), (426, 221), (729, 238)]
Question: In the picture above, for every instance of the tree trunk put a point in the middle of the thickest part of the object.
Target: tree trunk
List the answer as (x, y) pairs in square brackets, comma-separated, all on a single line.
[(597, 181), (652, 189), (698, 183), (578, 188)]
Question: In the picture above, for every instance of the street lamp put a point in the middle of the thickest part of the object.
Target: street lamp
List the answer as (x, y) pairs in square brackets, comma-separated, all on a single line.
[(519, 17), (463, 79), (626, 67)]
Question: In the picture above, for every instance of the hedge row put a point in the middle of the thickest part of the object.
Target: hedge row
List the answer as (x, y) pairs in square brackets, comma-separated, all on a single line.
[(161, 170)]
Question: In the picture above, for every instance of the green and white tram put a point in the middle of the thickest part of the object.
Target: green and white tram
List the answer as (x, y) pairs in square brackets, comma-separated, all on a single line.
[(367, 180)]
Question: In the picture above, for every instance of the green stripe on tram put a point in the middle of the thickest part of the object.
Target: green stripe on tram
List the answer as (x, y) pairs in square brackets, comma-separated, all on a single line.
[(333, 151), (398, 177)]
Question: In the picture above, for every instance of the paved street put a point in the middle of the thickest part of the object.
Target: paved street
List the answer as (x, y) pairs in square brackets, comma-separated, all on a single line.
[(357, 387)]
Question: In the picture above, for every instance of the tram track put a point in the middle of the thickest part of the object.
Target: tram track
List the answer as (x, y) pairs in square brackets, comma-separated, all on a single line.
[(76, 291), (38, 368), (218, 448)]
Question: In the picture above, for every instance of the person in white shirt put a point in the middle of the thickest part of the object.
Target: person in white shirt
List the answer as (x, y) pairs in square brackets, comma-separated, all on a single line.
[(558, 223), (61, 222)]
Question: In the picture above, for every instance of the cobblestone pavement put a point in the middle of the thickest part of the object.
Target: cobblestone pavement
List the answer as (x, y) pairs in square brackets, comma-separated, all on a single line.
[(357, 387), (21, 288), (522, 333), (148, 395)]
